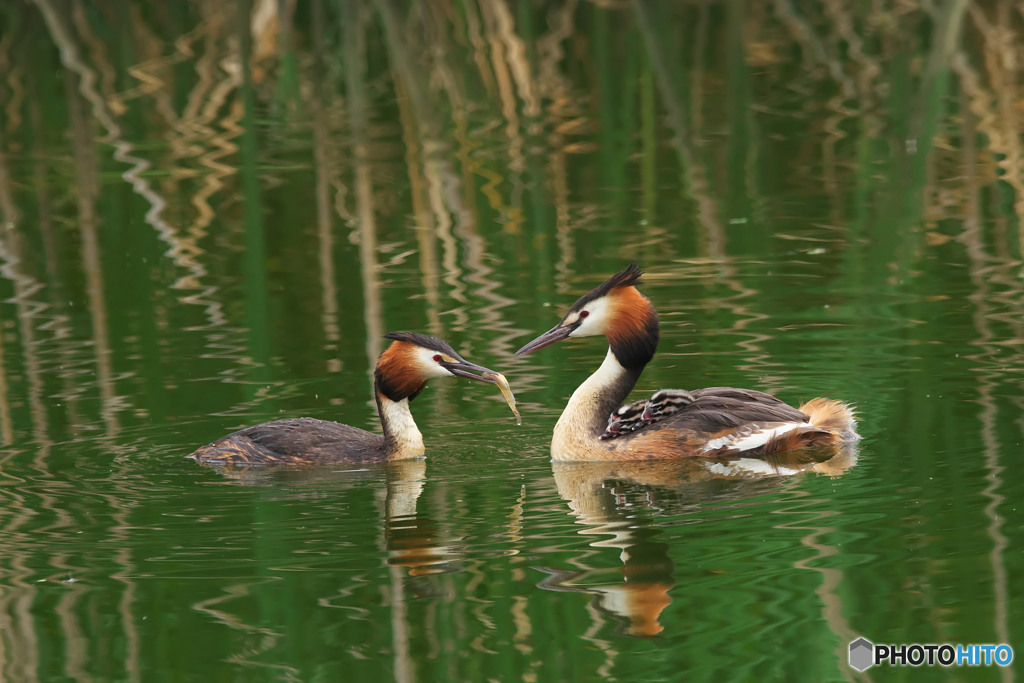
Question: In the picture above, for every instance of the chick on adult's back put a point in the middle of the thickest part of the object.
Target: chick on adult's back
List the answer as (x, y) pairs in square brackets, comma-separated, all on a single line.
[(401, 373)]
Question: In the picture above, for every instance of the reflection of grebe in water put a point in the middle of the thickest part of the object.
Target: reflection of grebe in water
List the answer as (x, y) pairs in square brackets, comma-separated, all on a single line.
[(414, 540), (717, 421), (402, 372), (621, 505)]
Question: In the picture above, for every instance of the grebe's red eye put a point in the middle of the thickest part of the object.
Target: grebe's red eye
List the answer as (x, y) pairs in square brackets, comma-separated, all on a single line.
[(584, 314), (437, 358)]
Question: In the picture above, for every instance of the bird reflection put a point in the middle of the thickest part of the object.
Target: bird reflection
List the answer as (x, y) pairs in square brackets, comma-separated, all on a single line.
[(636, 592), (621, 501), (412, 539)]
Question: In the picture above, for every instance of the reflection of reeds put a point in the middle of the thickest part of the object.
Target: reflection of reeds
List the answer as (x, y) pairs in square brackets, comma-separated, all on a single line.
[(20, 639), (741, 303), (564, 116), (985, 271), (87, 181), (366, 229), (997, 103), (829, 591), (8, 216), (27, 309), (19, 643), (8, 211), (198, 133), (95, 81), (510, 72), (6, 426), (75, 635), (326, 174), (424, 227)]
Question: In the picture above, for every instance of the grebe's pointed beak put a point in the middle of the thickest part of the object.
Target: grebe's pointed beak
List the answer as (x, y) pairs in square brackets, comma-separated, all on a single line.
[(463, 368), (555, 334)]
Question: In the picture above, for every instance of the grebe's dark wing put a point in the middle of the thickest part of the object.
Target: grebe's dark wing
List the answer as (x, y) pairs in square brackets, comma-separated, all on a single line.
[(302, 440), (730, 407), (725, 420)]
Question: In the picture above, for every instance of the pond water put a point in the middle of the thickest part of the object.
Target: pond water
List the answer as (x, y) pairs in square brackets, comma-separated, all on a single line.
[(213, 211)]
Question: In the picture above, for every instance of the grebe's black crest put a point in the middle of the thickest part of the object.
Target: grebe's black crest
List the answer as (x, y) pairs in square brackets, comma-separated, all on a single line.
[(628, 276), (424, 340), (634, 334)]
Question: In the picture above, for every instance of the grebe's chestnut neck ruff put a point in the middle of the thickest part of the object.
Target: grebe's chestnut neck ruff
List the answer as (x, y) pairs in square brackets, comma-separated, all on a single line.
[(704, 422), (402, 371)]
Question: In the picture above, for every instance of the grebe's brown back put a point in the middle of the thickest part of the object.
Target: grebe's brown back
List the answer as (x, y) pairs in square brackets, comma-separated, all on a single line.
[(705, 422), (401, 373)]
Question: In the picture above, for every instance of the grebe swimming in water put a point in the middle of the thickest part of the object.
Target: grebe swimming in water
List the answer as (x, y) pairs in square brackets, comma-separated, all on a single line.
[(401, 373), (709, 422)]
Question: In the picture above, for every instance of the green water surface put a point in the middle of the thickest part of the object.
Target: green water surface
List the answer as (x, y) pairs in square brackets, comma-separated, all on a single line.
[(213, 211)]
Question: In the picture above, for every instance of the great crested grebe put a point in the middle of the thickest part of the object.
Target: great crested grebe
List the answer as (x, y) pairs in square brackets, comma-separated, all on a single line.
[(401, 373), (709, 422)]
